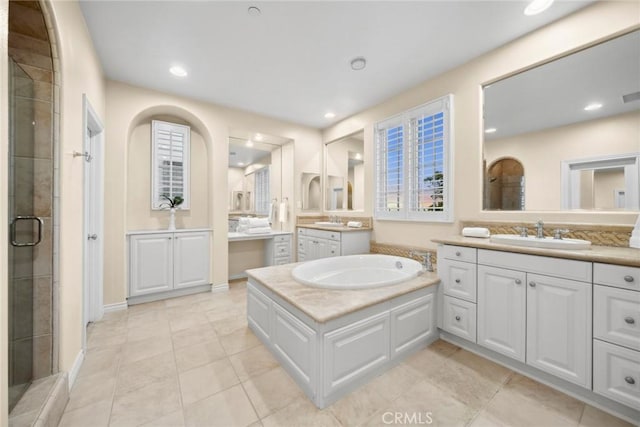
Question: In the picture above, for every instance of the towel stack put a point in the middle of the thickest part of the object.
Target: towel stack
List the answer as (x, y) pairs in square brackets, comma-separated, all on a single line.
[(254, 225), (354, 224), (476, 232)]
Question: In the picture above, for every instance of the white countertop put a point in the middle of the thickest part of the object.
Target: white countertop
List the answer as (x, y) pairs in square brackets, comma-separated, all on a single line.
[(235, 236), (180, 230)]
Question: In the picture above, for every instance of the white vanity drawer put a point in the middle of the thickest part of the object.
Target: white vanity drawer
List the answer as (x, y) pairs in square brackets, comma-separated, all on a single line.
[(619, 276), (459, 253), (281, 248), (616, 373), (281, 239), (459, 318), (616, 316), (322, 234), (458, 279)]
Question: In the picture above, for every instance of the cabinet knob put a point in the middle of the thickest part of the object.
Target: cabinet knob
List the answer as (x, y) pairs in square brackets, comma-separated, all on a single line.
[(518, 281), (169, 238), (630, 320), (458, 318), (628, 279), (532, 284), (457, 280), (458, 253), (630, 380)]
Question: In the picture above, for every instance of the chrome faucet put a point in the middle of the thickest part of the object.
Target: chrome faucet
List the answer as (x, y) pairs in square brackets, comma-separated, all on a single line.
[(557, 234), (426, 259), (524, 231), (540, 229)]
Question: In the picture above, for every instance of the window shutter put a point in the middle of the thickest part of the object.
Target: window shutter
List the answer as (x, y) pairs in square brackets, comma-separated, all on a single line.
[(390, 163), (170, 162), (262, 193)]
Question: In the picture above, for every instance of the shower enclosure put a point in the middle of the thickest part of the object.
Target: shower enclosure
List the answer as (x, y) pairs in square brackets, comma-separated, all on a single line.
[(30, 230)]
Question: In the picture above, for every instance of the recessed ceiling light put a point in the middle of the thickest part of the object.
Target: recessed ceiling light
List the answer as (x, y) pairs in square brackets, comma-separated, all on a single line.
[(249, 143), (490, 130), (358, 156), (329, 115), (254, 11), (593, 106), (537, 6), (358, 63), (178, 71), (258, 137)]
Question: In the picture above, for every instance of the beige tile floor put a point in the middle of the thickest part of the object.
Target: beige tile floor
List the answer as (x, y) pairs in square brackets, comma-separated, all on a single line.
[(192, 361)]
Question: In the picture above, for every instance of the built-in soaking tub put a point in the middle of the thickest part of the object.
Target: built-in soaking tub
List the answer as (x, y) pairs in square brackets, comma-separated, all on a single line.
[(331, 341), (356, 271)]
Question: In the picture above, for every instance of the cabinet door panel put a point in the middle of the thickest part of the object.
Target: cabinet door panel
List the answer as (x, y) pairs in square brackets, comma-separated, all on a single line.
[(616, 316), (559, 327), (616, 373), (502, 311), (191, 257), (151, 266), (459, 279), (412, 324), (258, 309), (459, 318)]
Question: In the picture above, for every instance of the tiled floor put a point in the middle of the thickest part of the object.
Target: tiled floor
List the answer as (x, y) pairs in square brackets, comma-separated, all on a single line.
[(192, 361)]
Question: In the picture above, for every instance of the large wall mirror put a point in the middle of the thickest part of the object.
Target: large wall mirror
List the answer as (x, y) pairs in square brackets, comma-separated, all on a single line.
[(255, 172), (566, 134), (344, 173)]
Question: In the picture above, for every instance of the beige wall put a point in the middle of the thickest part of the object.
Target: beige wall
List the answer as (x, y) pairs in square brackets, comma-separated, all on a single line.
[(127, 108), (81, 74), (541, 153), (605, 183), (592, 24), (140, 216), (4, 209)]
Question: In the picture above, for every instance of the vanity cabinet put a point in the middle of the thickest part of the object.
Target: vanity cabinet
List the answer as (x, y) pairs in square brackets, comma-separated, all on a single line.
[(278, 250), (316, 244), (502, 305), (167, 261)]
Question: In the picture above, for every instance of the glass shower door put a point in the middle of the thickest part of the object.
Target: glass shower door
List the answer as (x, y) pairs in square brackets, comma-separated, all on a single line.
[(25, 231)]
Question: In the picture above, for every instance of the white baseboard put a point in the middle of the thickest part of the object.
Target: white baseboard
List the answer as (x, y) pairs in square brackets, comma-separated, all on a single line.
[(75, 368), (115, 307), (222, 287)]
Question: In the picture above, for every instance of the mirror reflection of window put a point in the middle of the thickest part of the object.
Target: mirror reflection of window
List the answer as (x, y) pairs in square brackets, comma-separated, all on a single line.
[(344, 173), (583, 106)]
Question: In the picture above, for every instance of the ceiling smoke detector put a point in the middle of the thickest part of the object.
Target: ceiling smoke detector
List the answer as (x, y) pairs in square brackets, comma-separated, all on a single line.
[(254, 11), (358, 63)]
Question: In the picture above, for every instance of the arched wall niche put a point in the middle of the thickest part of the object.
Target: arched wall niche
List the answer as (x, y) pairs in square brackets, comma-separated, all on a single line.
[(505, 185), (139, 215)]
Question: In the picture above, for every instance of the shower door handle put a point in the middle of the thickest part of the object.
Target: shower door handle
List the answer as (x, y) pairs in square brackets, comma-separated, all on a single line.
[(14, 242)]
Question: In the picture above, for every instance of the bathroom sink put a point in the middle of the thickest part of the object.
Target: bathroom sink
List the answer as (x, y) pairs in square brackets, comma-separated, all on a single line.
[(328, 224), (547, 242)]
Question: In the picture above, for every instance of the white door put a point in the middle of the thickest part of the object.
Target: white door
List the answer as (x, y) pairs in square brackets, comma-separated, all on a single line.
[(559, 327), (191, 259), (93, 249), (151, 266), (502, 311)]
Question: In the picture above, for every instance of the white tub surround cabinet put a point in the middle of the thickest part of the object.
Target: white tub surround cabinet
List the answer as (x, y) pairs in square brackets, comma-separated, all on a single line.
[(331, 356), (315, 243), (572, 324), (166, 264)]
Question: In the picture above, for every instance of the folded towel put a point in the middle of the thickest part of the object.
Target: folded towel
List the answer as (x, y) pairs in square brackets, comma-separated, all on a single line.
[(258, 230), (243, 220), (283, 211), (354, 224), (476, 232), (258, 222)]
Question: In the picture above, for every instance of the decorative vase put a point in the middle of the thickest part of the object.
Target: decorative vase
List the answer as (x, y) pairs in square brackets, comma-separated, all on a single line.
[(172, 219)]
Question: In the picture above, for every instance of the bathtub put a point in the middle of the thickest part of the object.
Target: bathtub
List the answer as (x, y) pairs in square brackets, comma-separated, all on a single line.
[(356, 271)]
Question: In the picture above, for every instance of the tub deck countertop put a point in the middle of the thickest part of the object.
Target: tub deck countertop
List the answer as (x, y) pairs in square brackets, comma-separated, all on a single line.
[(324, 305)]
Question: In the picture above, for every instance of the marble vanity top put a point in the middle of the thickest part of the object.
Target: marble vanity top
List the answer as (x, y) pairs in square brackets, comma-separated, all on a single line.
[(340, 228), (323, 305), (234, 236), (604, 254)]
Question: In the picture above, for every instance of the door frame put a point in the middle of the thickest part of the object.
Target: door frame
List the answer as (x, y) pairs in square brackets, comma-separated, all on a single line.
[(93, 177)]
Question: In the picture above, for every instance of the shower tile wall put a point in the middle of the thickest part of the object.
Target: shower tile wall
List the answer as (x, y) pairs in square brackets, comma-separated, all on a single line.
[(33, 173)]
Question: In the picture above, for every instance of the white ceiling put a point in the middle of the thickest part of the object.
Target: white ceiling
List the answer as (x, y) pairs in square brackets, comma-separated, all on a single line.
[(556, 93), (292, 61)]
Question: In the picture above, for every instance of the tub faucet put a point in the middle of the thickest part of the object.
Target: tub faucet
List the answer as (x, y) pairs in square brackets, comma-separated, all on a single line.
[(540, 229), (426, 259)]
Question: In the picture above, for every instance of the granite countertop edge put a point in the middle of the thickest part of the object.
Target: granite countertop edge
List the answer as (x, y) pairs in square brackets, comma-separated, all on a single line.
[(340, 228), (321, 311), (605, 254)]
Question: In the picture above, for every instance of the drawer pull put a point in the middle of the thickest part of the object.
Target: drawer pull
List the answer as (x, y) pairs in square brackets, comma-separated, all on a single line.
[(628, 279), (457, 280), (532, 284), (458, 253), (630, 380), (518, 281), (630, 320), (458, 319)]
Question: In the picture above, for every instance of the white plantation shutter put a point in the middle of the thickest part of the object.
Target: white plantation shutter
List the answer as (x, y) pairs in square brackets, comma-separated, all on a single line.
[(170, 162), (413, 161), (262, 191)]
